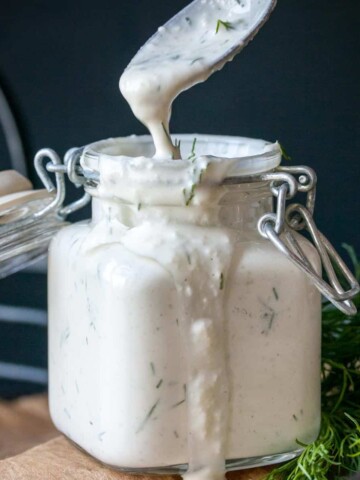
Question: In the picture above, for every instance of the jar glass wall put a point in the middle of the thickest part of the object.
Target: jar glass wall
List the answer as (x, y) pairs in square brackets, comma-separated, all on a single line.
[(119, 356)]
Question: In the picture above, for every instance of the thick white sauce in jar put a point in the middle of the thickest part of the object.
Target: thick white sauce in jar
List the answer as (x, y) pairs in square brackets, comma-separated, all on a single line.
[(176, 337)]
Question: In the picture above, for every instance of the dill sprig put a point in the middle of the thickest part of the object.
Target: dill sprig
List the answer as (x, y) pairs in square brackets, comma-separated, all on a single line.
[(336, 452), (175, 145), (192, 155), (222, 23), (284, 153)]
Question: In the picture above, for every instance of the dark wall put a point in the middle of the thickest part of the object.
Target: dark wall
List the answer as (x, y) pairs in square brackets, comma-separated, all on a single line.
[(298, 82)]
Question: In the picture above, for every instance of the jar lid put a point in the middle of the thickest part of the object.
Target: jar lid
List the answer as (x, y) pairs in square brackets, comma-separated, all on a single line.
[(25, 236), (21, 205)]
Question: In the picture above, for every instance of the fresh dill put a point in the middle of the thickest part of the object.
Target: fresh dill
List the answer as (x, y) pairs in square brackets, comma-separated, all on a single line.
[(198, 59), (201, 174), (152, 367), (276, 295), (192, 155), (166, 133), (148, 415), (176, 146), (177, 404), (222, 23), (189, 197), (188, 257), (284, 153), (335, 454), (222, 281), (139, 206), (159, 383)]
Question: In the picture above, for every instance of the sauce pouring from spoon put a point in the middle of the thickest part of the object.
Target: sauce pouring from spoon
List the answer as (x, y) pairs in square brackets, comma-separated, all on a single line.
[(191, 46)]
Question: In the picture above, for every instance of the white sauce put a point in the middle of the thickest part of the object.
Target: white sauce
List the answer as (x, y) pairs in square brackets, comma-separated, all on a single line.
[(139, 274), (181, 54), (132, 280), (154, 298)]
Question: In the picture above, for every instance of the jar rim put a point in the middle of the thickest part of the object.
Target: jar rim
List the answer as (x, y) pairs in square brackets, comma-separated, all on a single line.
[(141, 179), (240, 156)]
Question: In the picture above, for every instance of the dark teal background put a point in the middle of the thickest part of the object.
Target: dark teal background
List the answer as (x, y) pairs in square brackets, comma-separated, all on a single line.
[(298, 82)]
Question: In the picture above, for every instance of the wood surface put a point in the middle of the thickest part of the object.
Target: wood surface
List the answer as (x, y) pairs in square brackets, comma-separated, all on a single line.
[(32, 449)]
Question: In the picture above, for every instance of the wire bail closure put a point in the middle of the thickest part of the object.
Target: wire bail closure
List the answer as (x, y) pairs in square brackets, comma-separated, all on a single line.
[(70, 167), (280, 228)]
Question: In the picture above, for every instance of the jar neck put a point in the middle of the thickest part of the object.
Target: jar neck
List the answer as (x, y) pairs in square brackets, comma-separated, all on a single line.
[(238, 207)]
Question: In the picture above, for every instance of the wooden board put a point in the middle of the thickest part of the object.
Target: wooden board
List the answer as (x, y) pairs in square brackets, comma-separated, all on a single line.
[(26, 423)]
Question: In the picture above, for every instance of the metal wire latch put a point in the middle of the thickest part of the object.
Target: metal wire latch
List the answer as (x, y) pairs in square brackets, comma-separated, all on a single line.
[(69, 167), (281, 227)]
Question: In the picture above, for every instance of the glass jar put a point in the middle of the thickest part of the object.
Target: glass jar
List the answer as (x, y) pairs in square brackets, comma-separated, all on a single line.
[(173, 322)]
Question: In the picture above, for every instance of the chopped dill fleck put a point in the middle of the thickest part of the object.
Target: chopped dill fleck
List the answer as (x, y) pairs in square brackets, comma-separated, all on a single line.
[(295, 417), (276, 295), (198, 59), (166, 133), (201, 174), (148, 415), (269, 315), (178, 403), (176, 434), (222, 281), (284, 154), (139, 206), (189, 198), (192, 155), (222, 23), (152, 366), (159, 383), (272, 316)]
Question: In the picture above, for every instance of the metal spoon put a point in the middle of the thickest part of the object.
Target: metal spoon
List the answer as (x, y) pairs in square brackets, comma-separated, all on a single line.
[(192, 45)]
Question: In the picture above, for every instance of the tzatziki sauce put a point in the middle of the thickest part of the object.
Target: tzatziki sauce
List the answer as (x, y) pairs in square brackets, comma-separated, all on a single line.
[(196, 341)]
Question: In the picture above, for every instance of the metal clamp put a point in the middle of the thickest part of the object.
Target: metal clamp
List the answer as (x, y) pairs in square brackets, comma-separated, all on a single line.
[(279, 229), (69, 167)]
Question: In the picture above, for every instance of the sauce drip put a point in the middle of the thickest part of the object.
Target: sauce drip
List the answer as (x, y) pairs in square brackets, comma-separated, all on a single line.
[(184, 52)]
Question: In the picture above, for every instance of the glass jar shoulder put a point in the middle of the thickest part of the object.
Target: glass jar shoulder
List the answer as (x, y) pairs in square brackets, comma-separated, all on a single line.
[(80, 252), (257, 253)]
